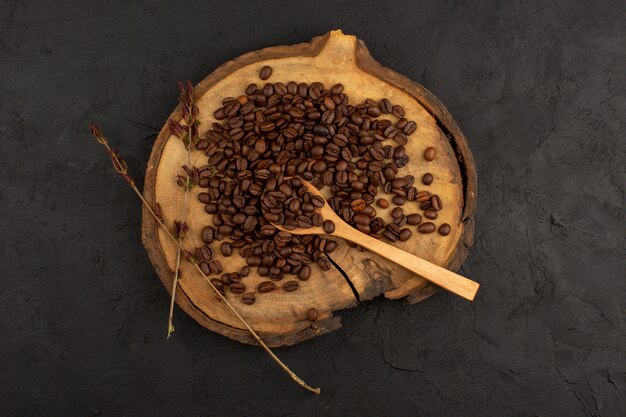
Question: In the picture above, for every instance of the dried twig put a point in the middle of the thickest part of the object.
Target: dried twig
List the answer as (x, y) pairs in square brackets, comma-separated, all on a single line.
[(188, 134), (122, 168)]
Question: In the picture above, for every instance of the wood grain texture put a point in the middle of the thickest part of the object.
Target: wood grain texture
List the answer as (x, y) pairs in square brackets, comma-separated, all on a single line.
[(279, 317)]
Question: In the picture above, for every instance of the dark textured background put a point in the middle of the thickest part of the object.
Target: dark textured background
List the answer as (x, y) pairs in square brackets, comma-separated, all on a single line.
[(539, 89)]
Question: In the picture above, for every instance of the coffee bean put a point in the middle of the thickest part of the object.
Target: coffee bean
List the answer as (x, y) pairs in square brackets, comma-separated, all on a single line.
[(329, 226), (405, 234), (311, 315), (266, 286), (397, 212), (324, 263), (427, 179), (429, 154), (422, 196), (254, 261), (399, 201), (430, 214), (426, 228), (390, 235), (305, 273), (217, 284), (358, 205), (244, 271), (226, 249), (204, 266), (216, 267), (435, 202), (265, 73), (237, 288), (382, 203), (248, 298), (414, 219), (385, 106), (291, 286), (208, 235), (251, 89), (444, 229), (398, 111)]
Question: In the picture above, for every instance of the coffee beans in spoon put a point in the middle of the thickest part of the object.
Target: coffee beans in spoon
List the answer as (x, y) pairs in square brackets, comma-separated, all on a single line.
[(275, 131)]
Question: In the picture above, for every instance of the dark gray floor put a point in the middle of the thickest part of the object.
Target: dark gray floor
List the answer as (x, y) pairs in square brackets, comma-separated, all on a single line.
[(539, 90)]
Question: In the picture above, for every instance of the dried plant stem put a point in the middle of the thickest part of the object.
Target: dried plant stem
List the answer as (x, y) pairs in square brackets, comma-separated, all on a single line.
[(121, 167), (170, 324)]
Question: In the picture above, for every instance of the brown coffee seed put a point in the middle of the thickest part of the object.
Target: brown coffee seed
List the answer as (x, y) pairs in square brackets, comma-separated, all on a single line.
[(430, 214), (266, 286), (311, 315), (422, 196), (426, 228), (208, 235), (265, 73), (444, 229), (226, 249), (414, 219), (237, 288), (291, 286), (329, 226), (398, 111), (397, 212), (429, 154), (358, 205), (382, 203), (217, 284), (435, 202), (248, 298), (405, 234), (305, 273), (427, 179)]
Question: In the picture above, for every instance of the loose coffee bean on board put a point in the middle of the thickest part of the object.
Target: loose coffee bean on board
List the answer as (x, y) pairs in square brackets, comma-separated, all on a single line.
[(248, 298), (237, 288), (226, 249), (405, 234), (430, 214), (382, 203), (435, 202), (444, 229), (427, 179), (291, 286), (398, 111), (429, 154), (265, 73), (311, 315), (266, 286), (414, 219), (426, 228), (305, 273)]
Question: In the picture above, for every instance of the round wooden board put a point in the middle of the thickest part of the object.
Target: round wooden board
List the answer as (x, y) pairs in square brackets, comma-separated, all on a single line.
[(280, 317)]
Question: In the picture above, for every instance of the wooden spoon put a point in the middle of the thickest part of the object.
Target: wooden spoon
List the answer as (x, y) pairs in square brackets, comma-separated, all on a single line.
[(442, 277)]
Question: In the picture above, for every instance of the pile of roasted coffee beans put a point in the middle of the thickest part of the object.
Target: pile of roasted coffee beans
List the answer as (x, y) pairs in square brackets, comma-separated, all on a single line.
[(278, 131), (291, 205)]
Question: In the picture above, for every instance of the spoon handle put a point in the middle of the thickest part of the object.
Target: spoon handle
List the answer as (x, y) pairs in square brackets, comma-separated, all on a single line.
[(436, 274)]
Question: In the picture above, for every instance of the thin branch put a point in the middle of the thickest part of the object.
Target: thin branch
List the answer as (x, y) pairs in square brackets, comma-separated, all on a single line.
[(121, 167), (188, 134)]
